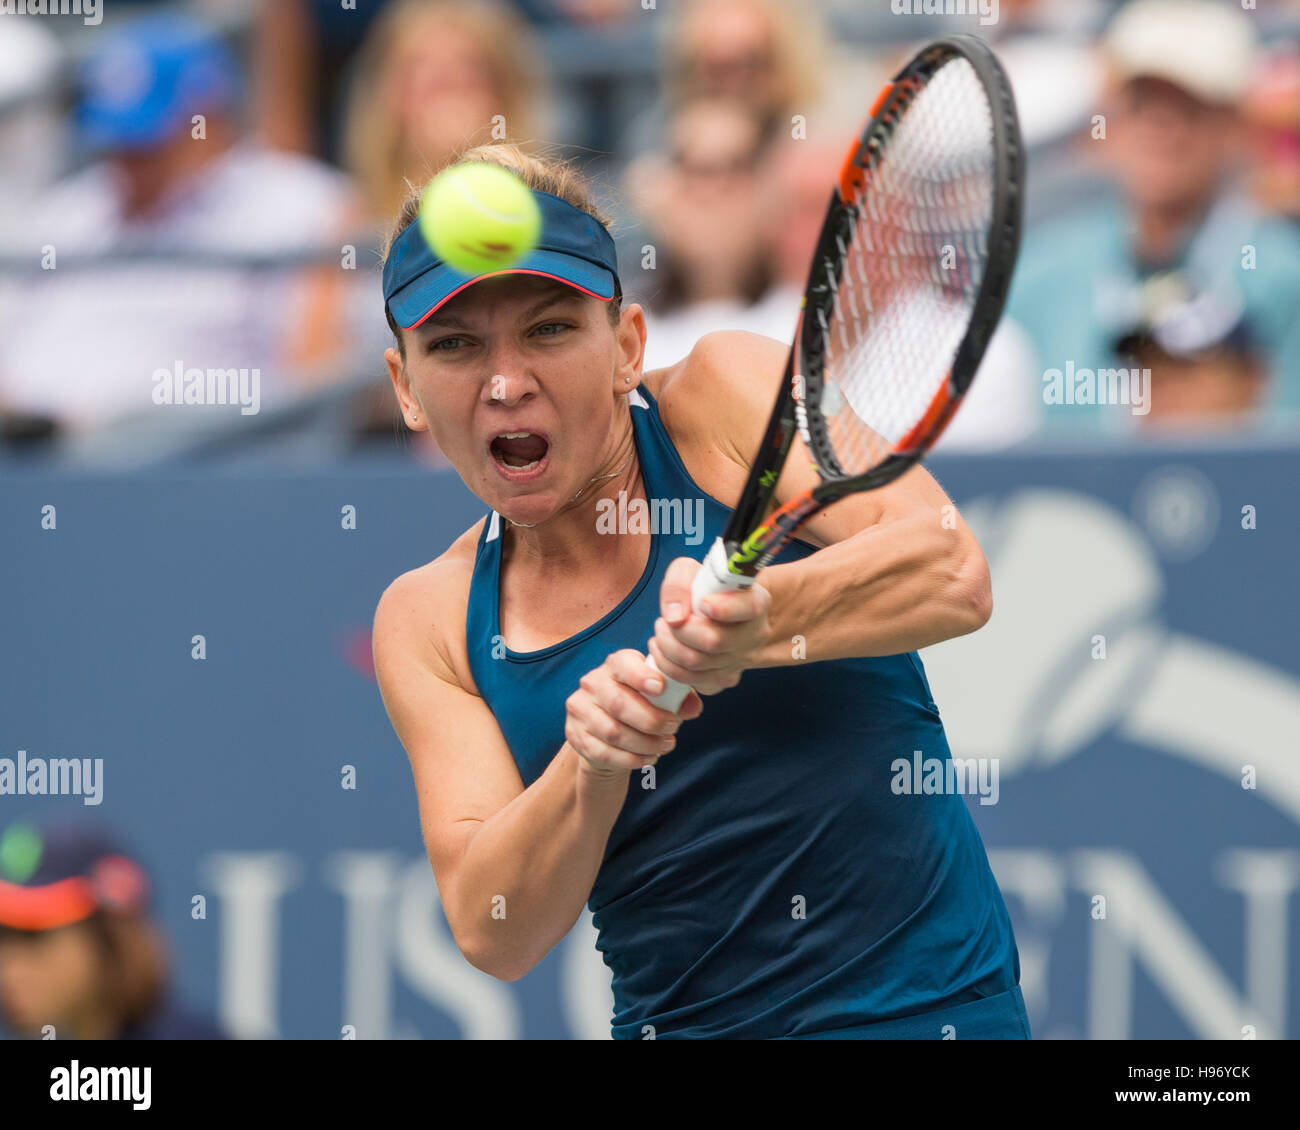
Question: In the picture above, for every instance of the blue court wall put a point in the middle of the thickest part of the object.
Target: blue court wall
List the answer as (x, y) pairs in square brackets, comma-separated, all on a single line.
[(1138, 688)]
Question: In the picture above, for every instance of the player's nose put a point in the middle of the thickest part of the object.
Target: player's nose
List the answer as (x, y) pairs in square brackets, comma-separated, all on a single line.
[(506, 382)]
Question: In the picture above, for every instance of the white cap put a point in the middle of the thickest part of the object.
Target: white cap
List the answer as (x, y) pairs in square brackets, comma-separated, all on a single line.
[(1207, 48)]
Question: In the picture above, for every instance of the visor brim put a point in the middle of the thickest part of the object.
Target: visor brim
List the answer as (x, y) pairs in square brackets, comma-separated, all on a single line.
[(416, 301)]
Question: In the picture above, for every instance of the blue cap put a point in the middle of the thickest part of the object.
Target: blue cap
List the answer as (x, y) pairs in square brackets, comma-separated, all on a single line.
[(574, 248), (146, 81)]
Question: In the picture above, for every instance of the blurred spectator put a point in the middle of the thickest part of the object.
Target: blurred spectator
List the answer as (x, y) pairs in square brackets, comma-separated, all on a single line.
[(79, 951), (1205, 372), (435, 77), (586, 13), (1273, 112), (1180, 69), (304, 52), (708, 214), (299, 50), (779, 215), (1037, 42), (1002, 407), (761, 52), (32, 136), (100, 309), (766, 54), (802, 176)]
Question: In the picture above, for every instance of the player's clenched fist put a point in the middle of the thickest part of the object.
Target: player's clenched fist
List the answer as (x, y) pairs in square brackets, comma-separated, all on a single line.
[(611, 723), (708, 652)]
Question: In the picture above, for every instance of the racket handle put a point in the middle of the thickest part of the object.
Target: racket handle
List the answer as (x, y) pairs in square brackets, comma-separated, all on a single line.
[(714, 576)]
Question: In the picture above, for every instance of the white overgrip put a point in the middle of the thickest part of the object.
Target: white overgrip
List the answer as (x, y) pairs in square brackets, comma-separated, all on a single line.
[(714, 576)]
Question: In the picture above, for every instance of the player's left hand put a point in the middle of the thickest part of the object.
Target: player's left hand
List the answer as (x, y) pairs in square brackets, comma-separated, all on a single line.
[(709, 652)]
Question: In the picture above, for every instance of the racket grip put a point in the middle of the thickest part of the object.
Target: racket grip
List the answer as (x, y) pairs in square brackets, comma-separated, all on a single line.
[(714, 576)]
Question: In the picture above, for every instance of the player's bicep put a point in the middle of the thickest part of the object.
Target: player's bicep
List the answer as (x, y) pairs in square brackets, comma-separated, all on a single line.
[(464, 772)]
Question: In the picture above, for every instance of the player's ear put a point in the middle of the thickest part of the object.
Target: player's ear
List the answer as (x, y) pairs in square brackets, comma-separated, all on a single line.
[(415, 418), (396, 371), (630, 338)]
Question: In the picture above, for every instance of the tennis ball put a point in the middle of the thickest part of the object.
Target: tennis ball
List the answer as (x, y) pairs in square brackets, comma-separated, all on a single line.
[(479, 217)]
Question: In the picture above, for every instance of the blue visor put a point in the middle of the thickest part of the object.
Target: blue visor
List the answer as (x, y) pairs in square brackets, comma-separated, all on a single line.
[(574, 248)]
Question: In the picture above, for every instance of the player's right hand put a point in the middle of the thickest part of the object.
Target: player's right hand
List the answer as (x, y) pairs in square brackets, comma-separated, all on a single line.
[(612, 724)]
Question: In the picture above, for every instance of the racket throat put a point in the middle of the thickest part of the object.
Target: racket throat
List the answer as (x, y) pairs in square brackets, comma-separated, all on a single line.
[(766, 541)]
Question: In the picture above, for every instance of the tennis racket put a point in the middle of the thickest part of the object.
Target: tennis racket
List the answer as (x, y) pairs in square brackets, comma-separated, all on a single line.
[(906, 287)]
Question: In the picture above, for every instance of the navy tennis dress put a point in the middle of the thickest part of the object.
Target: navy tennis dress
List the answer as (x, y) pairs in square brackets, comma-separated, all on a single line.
[(765, 881)]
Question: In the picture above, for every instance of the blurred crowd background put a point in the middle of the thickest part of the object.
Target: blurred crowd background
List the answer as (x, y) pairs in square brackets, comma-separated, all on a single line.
[(208, 185)]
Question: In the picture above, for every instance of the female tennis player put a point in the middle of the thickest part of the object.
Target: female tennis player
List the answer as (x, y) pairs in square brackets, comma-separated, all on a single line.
[(752, 867)]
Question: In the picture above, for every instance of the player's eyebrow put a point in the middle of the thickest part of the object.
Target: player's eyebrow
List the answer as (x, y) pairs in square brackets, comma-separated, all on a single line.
[(452, 321)]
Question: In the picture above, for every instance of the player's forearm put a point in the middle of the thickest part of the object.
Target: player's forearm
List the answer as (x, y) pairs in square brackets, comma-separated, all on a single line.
[(896, 587), (529, 870)]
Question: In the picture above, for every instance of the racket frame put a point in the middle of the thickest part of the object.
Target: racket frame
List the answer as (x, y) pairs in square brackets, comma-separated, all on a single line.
[(750, 540)]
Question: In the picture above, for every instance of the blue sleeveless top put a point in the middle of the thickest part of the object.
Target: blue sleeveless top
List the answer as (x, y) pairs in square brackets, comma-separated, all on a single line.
[(763, 880)]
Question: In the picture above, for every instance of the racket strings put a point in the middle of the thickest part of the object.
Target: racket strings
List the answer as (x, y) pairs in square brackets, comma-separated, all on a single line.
[(913, 255)]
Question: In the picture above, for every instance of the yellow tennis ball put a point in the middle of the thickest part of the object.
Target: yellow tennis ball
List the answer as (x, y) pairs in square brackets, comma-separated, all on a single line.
[(479, 217)]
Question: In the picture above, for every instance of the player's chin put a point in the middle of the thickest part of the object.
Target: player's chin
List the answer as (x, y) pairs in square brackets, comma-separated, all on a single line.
[(524, 515), (526, 504)]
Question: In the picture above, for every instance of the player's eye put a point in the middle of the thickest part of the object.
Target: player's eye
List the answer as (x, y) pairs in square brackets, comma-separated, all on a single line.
[(555, 328), (445, 344)]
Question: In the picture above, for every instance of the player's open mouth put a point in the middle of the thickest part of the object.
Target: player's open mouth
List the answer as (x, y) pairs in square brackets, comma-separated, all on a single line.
[(519, 455)]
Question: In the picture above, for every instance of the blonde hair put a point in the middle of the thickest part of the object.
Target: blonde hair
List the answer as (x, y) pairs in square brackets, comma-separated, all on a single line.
[(376, 151), (541, 173)]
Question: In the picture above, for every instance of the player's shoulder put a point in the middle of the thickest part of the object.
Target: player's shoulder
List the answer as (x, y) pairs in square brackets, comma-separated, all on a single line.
[(726, 356), (421, 614), (709, 394)]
